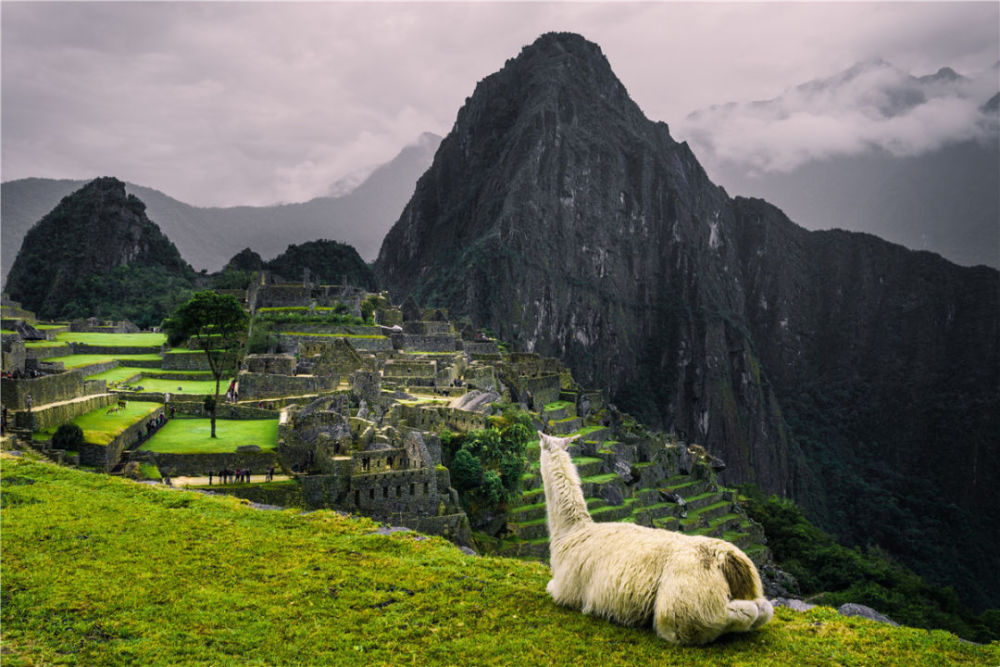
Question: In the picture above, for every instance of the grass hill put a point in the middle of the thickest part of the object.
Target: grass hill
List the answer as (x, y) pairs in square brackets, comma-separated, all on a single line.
[(103, 571)]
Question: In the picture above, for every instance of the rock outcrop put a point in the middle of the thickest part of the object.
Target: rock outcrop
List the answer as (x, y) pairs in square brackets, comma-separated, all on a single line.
[(561, 218)]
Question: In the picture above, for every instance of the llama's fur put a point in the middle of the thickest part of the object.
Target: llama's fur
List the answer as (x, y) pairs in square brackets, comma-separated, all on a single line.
[(692, 589)]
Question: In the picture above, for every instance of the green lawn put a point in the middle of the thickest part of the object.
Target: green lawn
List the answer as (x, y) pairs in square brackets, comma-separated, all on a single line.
[(182, 386), (43, 327), (192, 579), (113, 340), (101, 428), (77, 360), (193, 436), (34, 344)]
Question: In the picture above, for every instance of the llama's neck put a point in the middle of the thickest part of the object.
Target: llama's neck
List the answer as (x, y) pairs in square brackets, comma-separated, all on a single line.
[(564, 503)]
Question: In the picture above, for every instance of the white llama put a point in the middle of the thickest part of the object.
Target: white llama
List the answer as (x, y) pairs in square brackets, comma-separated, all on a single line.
[(692, 588)]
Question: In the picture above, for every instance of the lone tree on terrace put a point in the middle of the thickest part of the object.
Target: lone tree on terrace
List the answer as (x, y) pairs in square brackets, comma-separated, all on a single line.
[(218, 324)]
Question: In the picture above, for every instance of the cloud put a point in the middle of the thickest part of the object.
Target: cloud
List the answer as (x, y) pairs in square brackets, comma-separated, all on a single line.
[(869, 107), (224, 103)]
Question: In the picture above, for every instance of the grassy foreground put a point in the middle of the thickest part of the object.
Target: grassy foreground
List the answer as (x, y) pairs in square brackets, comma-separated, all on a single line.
[(103, 571)]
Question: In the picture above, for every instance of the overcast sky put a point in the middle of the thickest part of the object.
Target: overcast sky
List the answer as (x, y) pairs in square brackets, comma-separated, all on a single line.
[(256, 103)]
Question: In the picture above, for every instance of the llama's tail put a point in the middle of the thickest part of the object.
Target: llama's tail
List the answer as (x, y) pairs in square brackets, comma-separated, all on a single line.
[(741, 575)]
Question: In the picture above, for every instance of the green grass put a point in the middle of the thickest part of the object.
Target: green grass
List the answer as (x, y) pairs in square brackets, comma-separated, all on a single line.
[(77, 360), (293, 309), (182, 386), (117, 374), (193, 436), (35, 344), (556, 405), (333, 335), (100, 428), (195, 579), (113, 339), (43, 327)]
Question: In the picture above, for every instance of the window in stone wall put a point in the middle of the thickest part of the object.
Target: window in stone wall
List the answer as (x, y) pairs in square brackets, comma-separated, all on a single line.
[(371, 494), (426, 491), (399, 491), (357, 497), (385, 491), (413, 489)]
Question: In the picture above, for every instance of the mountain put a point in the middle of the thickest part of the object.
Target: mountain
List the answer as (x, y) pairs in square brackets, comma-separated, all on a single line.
[(912, 159), (97, 254), (208, 237), (836, 368), (328, 262)]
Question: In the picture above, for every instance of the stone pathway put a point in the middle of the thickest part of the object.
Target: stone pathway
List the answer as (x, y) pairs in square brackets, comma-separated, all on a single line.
[(203, 481)]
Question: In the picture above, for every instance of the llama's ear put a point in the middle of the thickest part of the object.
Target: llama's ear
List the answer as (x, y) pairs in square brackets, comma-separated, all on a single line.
[(572, 438), (544, 441)]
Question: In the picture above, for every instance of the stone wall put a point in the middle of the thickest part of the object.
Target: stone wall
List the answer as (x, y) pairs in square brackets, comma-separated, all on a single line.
[(82, 348), (293, 341), (482, 377), (481, 347), (224, 410), (108, 456), (276, 296), (438, 418), (200, 464), (543, 389), (389, 317), (426, 343), (185, 361), (180, 376), (43, 390), (335, 358), (60, 413), (409, 368), (48, 351), (254, 386), (280, 364), (14, 354), (425, 328), (284, 493)]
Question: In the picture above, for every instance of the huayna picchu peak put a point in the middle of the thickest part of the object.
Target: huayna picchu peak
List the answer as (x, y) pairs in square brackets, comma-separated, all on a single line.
[(97, 253), (560, 217)]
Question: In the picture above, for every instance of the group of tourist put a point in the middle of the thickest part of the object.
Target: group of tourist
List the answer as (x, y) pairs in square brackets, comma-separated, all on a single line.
[(233, 393), (16, 374), (240, 475), (155, 423)]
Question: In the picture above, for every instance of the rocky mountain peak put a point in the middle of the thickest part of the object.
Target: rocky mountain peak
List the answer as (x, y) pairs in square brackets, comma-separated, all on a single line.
[(77, 258)]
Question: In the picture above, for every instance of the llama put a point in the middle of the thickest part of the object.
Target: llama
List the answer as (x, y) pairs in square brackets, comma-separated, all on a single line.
[(691, 588)]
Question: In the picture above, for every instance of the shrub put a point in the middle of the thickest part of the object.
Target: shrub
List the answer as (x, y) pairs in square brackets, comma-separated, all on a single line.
[(466, 470), (68, 436)]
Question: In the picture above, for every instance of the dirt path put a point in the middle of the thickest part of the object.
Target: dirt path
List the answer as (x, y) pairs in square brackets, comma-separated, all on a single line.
[(203, 481)]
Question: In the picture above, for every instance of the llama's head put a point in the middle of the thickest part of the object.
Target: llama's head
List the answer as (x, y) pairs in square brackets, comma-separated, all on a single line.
[(551, 443)]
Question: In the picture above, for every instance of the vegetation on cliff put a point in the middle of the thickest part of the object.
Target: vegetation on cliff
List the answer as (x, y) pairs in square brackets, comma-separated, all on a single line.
[(209, 580), (831, 574)]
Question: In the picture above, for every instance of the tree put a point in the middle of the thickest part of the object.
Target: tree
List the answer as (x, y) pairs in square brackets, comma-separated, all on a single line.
[(218, 325), (68, 436)]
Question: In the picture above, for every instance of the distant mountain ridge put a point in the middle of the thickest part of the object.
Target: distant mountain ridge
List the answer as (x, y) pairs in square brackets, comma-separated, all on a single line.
[(208, 237), (825, 366), (913, 159)]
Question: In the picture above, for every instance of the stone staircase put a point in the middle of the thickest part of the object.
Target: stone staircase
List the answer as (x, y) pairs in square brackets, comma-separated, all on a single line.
[(690, 503)]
